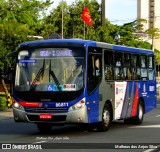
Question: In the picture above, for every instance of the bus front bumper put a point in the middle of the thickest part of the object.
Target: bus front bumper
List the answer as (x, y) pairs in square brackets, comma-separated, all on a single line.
[(74, 116)]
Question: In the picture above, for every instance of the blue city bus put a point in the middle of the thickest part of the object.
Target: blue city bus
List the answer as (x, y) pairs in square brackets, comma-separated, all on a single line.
[(73, 81)]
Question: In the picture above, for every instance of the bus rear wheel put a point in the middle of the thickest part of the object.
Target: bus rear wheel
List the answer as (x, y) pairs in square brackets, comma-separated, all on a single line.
[(44, 127), (106, 119), (140, 114)]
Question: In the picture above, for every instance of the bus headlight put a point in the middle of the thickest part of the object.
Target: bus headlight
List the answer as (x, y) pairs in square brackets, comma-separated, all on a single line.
[(17, 106), (78, 105)]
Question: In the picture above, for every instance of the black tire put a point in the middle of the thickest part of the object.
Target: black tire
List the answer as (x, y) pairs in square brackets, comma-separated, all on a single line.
[(105, 124), (140, 114), (137, 120), (44, 127)]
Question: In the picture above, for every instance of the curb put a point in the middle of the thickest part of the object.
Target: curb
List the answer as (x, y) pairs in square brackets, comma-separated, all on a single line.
[(6, 109)]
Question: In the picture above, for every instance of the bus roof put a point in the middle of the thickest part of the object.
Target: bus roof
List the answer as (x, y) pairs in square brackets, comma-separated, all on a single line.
[(80, 42)]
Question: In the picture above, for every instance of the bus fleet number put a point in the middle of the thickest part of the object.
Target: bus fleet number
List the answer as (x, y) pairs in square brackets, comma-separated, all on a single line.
[(64, 104)]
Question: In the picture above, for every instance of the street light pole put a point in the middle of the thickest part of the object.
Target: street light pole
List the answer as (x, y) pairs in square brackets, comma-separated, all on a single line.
[(152, 33), (62, 19), (103, 12), (102, 17)]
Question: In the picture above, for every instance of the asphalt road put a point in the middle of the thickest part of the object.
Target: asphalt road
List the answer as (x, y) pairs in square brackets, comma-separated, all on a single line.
[(74, 137)]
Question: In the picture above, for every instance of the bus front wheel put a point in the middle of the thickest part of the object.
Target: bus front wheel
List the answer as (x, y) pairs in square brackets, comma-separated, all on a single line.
[(106, 119), (44, 127)]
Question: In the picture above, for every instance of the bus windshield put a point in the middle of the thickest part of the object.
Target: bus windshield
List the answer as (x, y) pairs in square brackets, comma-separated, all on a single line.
[(50, 69)]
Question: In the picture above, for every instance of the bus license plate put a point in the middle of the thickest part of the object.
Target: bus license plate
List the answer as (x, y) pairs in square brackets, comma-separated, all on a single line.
[(45, 116)]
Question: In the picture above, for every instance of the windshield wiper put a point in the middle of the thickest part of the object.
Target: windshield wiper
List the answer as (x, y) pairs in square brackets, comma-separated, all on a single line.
[(54, 77), (40, 73)]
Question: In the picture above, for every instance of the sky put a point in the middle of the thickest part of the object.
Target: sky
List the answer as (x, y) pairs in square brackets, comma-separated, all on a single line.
[(117, 11)]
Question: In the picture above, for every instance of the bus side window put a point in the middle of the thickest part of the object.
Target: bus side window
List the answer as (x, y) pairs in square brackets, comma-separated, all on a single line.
[(143, 63), (119, 75), (94, 66), (98, 70), (135, 67), (108, 63), (150, 68), (127, 66)]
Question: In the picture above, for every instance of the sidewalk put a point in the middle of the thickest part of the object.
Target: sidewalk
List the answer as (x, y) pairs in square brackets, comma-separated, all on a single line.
[(6, 113)]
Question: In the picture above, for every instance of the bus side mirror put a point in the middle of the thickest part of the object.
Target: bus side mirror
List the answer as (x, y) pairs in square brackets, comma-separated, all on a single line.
[(0, 74), (9, 65), (7, 71)]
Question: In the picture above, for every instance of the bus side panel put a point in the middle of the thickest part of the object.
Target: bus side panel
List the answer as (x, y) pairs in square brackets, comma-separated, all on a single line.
[(120, 95), (106, 94), (93, 106), (126, 99), (129, 100), (133, 92), (148, 94)]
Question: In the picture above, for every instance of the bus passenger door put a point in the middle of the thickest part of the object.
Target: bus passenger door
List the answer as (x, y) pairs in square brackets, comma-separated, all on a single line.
[(94, 77)]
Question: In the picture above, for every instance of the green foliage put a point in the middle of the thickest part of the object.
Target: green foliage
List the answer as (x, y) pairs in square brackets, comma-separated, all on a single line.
[(3, 101), (18, 20), (157, 56)]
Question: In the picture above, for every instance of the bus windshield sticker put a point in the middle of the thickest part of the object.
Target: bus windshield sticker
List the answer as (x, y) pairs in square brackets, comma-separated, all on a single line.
[(69, 87), (50, 87), (64, 87), (27, 61)]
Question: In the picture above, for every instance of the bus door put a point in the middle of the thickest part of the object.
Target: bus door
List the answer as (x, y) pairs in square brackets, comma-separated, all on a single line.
[(94, 77)]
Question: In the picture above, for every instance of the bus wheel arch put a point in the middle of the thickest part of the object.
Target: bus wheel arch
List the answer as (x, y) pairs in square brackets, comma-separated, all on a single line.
[(106, 118)]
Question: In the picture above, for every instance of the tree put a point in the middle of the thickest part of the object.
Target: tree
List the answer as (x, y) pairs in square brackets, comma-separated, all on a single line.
[(73, 23), (18, 20)]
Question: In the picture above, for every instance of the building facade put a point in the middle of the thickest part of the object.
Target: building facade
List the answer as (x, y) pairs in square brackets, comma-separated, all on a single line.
[(150, 11)]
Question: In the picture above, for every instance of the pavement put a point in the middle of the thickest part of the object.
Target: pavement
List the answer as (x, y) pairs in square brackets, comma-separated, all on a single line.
[(6, 113)]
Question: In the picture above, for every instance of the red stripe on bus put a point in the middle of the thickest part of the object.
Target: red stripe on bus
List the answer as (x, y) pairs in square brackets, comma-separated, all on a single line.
[(135, 103), (29, 104)]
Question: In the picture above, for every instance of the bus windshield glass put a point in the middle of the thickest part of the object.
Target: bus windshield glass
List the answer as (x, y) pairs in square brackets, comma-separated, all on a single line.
[(50, 69)]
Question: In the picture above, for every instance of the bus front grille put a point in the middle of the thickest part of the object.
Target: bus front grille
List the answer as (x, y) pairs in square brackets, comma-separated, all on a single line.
[(45, 110)]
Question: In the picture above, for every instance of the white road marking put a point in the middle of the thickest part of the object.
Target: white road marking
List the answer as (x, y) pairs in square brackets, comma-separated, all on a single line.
[(158, 116), (149, 150), (149, 126)]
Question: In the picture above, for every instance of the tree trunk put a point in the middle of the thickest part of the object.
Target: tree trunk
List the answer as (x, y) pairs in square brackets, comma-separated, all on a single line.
[(8, 96)]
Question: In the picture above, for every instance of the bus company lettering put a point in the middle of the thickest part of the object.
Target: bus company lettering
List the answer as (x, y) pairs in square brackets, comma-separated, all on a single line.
[(63, 104)]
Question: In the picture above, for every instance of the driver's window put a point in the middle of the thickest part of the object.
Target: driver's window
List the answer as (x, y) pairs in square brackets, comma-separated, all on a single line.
[(94, 68)]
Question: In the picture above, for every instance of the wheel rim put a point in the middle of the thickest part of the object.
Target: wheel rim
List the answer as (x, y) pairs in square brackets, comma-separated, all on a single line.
[(106, 117), (140, 115)]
